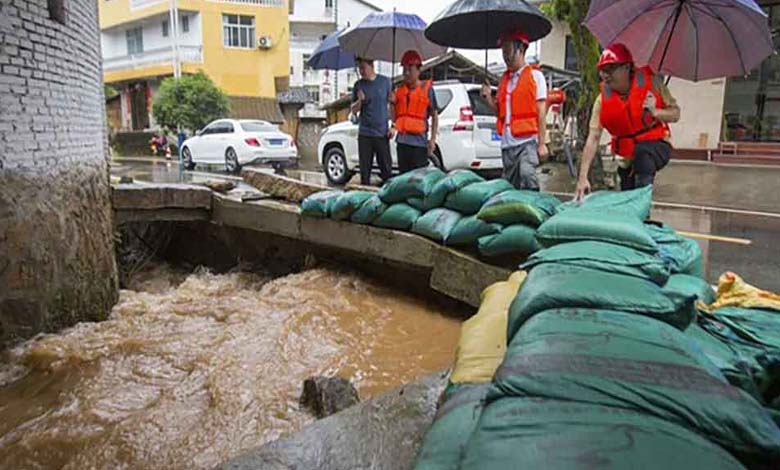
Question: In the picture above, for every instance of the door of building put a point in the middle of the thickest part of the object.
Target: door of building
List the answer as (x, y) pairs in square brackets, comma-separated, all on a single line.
[(139, 107)]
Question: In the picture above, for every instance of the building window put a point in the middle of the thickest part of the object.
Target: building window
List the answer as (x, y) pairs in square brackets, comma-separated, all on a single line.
[(570, 61), (292, 70), (165, 26), (238, 31), (185, 24), (135, 40), (314, 92), (328, 4), (56, 10), (306, 66)]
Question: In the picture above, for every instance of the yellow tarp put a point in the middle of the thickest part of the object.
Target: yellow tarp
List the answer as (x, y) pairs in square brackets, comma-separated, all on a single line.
[(733, 291), (482, 343)]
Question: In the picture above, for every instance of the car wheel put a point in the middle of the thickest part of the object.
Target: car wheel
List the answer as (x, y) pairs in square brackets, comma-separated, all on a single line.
[(336, 166), (231, 161), (186, 158), (437, 160)]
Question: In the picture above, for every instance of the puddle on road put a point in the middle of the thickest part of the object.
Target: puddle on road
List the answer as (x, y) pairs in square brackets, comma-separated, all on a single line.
[(188, 375)]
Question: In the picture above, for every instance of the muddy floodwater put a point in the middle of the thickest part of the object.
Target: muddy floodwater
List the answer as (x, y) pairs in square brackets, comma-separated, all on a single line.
[(191, 369)]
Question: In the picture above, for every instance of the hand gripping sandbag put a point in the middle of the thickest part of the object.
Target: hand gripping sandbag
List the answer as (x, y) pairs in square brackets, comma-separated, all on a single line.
[(319, 204), (630, 362), (416, 183), (553, 286), (635, 203), (605, 257)]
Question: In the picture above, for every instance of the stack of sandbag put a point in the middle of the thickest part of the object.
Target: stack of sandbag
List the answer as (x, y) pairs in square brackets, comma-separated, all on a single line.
[(739, 330), (599, 372), (458, 209), (480, 351)]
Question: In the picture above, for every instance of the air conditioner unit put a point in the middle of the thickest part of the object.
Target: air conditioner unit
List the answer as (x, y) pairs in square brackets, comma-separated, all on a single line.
[(264, 42)]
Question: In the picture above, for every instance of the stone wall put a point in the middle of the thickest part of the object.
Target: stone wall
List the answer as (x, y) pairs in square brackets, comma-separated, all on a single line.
[(56, 241)]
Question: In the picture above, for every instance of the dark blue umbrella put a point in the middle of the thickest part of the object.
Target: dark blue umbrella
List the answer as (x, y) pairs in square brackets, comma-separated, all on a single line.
[(330, 55), (691, 39)]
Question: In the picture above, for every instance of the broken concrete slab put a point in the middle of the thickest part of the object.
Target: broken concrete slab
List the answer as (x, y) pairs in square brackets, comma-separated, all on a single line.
[(280, 187), (462, 277), (160, 196), (382, 433)]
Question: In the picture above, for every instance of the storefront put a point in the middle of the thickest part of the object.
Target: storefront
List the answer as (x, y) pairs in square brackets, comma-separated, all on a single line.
[(752, 103)]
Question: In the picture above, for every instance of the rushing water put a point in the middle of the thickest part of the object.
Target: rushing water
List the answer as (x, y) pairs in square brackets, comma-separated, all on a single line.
[(191, 369)]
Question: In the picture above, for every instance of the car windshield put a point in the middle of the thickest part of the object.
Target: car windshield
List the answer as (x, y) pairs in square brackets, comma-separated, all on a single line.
[(258, 126)]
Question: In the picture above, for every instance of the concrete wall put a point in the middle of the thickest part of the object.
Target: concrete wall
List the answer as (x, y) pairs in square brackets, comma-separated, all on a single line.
[(57, 263), (701, 112), (552, 48)]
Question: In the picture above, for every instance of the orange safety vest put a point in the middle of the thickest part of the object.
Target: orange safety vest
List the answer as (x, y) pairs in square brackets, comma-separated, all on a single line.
[(627, 120), (411, 108), (525, 114)]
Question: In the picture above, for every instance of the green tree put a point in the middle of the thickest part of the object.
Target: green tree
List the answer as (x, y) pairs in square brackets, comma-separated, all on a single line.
[(191, 102), (586, 48)]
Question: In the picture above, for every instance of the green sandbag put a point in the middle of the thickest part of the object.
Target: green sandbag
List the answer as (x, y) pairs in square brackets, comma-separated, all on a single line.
[(636, 203), (346, 204), (369, 211), (572, 226), (630, 362), (445, 442), (682, 254), (319, 204), (519, 207), (469, 230), (685, 286), (436, 224), (469, 199), (452, 182), (398, 217), (605, 257), (416, 183), (551, 286), (541, 434), (512, 240), (737, 368), (417, 203)]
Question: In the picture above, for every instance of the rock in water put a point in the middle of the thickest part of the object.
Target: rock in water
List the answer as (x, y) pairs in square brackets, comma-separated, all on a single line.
[(325, 396)]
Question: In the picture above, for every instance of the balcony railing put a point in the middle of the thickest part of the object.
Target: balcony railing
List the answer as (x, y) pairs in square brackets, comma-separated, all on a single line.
[(163, 55), (260, 3), (137, 4)]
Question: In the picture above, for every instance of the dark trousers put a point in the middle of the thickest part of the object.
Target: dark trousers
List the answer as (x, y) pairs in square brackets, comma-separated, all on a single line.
[(367, 148), (649, 158), (411, 157)]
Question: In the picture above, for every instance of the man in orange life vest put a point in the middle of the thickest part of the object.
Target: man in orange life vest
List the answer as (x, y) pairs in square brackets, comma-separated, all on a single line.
[(635, 107), (415, 102), (521, 110)]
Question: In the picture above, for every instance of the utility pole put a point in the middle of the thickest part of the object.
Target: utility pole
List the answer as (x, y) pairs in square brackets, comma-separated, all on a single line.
[(174, 22), (336, 94)]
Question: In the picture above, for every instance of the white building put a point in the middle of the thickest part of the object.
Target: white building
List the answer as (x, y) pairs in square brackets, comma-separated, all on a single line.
[(310, 22)]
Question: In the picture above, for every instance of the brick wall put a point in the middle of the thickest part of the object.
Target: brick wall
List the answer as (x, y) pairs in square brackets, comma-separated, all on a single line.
[(56, 242)]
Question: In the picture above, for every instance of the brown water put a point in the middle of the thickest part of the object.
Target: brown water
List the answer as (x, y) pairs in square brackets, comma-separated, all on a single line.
[(186, 376)]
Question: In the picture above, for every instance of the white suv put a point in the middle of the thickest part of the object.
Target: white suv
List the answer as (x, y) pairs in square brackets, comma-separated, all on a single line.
[(467, 136)]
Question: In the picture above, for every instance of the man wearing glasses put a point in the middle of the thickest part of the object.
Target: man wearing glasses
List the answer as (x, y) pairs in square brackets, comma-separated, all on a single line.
[(636, 108)]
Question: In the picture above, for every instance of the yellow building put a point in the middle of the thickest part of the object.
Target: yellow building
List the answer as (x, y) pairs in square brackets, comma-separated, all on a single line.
[(242, 45)]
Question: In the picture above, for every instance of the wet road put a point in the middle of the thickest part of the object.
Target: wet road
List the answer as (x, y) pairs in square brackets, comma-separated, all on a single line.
[(737, 231)]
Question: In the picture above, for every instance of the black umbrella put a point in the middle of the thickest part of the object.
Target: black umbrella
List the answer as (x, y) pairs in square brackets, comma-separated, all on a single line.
[(478, 24)]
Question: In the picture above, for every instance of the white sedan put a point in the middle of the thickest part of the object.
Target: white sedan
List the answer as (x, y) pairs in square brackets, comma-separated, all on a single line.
[(236, 143)]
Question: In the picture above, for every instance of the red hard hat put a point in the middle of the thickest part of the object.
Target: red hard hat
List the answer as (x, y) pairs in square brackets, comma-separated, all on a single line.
[(411, 57), (616, 53), (513, 35)]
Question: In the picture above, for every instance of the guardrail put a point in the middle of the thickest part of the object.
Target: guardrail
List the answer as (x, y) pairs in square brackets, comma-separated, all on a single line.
[(162, 55)]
